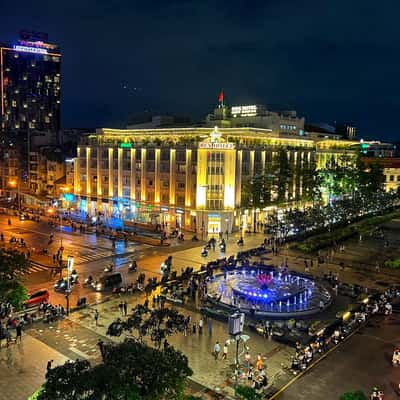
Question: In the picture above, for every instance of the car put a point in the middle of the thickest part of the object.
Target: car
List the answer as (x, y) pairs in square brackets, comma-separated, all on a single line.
[(108, 282), (37, 297), (21, 217)]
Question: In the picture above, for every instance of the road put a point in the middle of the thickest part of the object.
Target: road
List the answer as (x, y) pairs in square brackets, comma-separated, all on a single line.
[(362, 362)]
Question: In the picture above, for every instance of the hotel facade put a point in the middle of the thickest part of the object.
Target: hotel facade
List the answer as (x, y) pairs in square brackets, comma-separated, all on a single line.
[(193, 177)]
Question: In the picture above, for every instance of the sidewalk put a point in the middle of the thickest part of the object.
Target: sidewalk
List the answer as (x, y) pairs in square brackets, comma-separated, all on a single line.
[(198, 348), (21, 372)]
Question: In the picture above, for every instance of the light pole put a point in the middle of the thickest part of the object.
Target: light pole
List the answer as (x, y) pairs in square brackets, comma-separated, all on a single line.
[(15, 183), (70, 266)]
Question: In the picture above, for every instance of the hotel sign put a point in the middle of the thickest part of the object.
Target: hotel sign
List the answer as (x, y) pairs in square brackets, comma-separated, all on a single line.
[(216, 146), (27, 49)]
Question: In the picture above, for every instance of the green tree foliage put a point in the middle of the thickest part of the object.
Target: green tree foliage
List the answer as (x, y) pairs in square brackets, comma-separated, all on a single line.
[(12, 267), (156, 324), (130, 371), (358, 395), (247, 393)]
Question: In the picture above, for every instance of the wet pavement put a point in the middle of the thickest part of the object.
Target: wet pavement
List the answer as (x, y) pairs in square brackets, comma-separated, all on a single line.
[(23, 367)]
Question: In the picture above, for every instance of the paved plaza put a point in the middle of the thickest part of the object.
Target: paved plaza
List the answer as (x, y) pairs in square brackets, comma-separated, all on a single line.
[(77, 336)]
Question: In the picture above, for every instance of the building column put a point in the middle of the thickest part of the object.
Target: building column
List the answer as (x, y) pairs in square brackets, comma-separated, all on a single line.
[(172, 176), (238, 183), (110, 173), (263, 162), (133, 174), (77, 175), (88, 183), (99, 190), (143, 175), (157, 154), (251, 163), (120, 155), (188, 179)]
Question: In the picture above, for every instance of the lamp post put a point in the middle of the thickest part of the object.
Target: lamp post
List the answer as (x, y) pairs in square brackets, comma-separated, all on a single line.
[(70, 266), (15, 183)]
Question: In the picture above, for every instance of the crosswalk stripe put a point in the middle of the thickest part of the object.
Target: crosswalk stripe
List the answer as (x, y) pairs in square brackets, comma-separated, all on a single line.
[(92, 257)]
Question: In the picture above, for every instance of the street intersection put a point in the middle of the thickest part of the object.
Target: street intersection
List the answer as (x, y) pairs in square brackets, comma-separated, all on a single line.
[(77, 336)]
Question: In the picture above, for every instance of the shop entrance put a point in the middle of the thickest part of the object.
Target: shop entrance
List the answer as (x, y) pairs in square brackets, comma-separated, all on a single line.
[(214, 223)]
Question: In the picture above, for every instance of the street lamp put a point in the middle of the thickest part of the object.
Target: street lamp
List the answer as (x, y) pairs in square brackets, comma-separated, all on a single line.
[(70, 266), (15, 184)]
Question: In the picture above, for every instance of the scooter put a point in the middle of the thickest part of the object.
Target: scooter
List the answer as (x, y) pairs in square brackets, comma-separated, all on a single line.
[(110, 268), (88, 281), (132, 267)]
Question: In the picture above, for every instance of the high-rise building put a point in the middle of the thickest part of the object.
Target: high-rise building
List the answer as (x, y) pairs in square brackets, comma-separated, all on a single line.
[(30, 79)]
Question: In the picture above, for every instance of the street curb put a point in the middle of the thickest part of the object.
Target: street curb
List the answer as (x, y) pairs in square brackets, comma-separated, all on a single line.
[(312, 365)]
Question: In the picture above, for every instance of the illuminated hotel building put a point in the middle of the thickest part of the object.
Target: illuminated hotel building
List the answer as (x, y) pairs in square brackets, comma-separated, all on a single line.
[(190, 177), (30, 84)]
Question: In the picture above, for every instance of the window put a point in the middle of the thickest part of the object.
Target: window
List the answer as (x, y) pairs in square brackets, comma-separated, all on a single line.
[(165, 184), (180, 200), (215, 170), (391, 178), (181, 168), (216, 157), (150, 182), (398, 178), (181, 185)]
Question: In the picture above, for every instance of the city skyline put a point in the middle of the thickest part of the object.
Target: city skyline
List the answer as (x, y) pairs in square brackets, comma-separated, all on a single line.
[(325, 63)]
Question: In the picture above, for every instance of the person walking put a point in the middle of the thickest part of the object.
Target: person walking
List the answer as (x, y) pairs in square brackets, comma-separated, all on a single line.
[(201, 323), (125, 306), (209, 326), (217, 349), (18, 330), (96, 317), (49, 363), (121, 307), (225, 351)]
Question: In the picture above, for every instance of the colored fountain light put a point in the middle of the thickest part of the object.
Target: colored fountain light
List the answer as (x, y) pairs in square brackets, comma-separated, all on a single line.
[(264, 280), (269, 292)]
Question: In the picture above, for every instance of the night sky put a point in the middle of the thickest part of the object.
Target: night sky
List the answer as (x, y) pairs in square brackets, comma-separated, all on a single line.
[(329, 60)]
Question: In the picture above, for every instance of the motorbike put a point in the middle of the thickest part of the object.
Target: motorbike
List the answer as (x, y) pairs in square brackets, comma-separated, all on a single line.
[(204, 252), (132, 267), (88, 281), (110, 268), (222, 246), (240, 242)]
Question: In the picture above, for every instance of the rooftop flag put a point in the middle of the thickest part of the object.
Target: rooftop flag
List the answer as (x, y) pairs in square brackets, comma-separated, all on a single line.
[(221, 98)]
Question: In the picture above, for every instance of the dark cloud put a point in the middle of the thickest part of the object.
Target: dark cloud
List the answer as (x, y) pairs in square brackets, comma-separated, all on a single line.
[(330, 60)]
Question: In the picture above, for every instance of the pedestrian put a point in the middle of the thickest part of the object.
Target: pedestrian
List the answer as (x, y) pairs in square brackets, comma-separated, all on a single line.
[(194, 329), (96, 317), (48, 367), (201, 326), (225, 351), (209, 326), (217, 349), (100, 343), (121, 307), (18, 330), (321, 305), (125, 305)]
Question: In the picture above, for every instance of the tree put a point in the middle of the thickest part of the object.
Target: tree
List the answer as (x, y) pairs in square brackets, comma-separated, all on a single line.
[(156, 324), (358, 395), (130, 371), (247, 393), (13, 265)]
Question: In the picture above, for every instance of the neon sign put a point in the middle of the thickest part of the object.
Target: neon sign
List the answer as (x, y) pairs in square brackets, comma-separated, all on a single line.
[(216, 146), (27, 49)]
